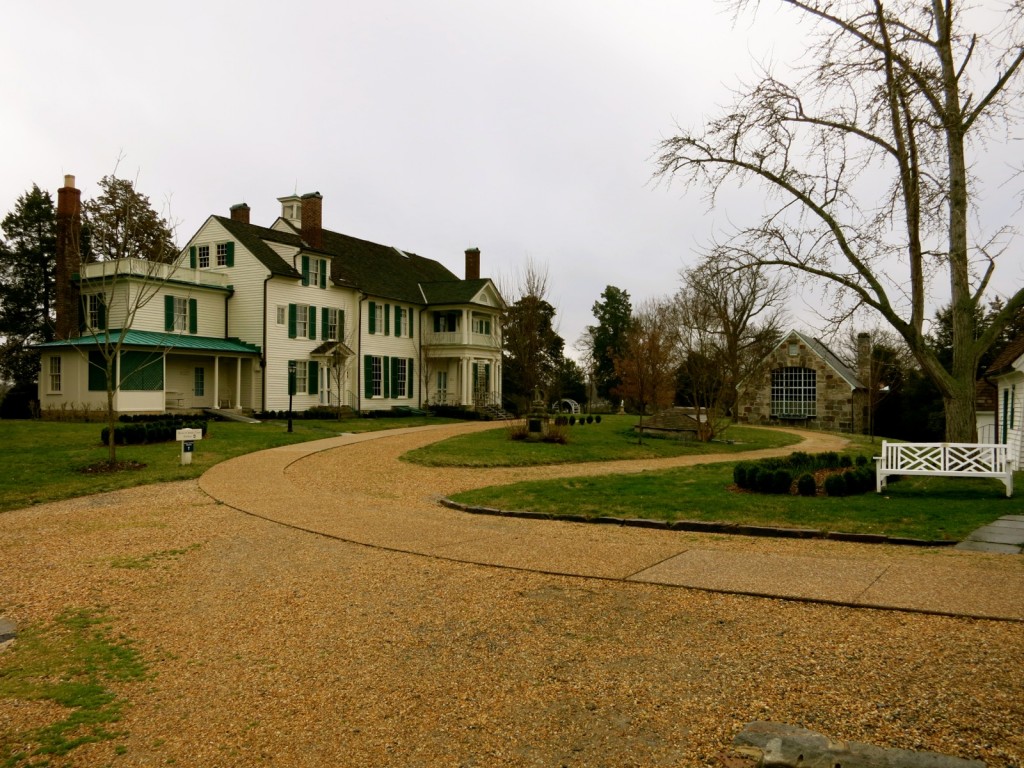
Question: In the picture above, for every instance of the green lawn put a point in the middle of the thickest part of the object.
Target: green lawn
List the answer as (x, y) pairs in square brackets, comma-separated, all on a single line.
[(42, 460), (610, 440), (921, 508)]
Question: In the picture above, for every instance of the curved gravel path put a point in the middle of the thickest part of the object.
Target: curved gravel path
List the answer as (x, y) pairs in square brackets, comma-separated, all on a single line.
[(266, 645)]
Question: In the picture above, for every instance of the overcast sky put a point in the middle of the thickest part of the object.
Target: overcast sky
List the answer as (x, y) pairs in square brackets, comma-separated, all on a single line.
[(524, 128)]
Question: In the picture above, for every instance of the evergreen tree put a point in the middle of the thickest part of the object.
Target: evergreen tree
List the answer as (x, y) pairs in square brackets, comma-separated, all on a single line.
[(607, 340), (27, 290), (121, 223)]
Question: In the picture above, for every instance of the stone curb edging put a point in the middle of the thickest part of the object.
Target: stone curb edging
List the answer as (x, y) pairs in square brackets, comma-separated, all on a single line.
[(700, 526)]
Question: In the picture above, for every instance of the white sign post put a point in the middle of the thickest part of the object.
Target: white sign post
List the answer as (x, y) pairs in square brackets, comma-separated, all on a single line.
[(187, 438)]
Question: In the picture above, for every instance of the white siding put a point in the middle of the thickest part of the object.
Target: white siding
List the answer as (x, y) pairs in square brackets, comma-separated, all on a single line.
[(381, 344)]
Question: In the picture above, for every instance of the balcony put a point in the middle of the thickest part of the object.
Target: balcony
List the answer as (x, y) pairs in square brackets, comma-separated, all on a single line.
[(458, 338), (151, 270)]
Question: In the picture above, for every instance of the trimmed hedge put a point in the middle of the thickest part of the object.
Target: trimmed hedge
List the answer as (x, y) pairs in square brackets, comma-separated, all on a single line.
[(146, 431), (775, 475)]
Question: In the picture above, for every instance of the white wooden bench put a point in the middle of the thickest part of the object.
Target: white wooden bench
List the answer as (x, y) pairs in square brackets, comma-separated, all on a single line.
[(944, 460)]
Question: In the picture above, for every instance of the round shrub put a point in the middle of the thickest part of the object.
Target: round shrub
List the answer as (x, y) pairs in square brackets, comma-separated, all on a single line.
[(572, 420), (765, 481), (805, 485), (799, 459), (835, 485), (782, 480), (845, 461), (590, 419), (598, 418), (739, 475), (752, 472), (861, 460)]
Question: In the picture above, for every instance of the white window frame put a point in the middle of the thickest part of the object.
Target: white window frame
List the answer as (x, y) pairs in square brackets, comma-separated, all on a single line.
[(282, 314), (199, 381), (401, 375), (377, 373), (203, 252), (54, 374), (332, 325), (480, 323), (794, 392), (222, 254), (302, 321), (95, 302), (442, 383), (378, 320), (314, 272), (301, 377), (180, 313)]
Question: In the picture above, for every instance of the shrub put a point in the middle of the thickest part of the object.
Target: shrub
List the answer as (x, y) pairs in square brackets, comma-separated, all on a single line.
[(556, 434), (739, 475), (572, 421), (765, 481), (799, 459), (861, 460), (829, 459), (590, 419), (835, 485), (598, 418), (805, 485), (517, 430), (782, 481), (845, 461), (752, 472)]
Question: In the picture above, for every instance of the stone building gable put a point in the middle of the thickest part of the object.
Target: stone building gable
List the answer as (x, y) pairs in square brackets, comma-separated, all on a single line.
[(839, 398)]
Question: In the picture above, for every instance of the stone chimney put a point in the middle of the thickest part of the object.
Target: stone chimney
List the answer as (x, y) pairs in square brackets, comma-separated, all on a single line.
[(240, 213), (864, 358), (68, 257), (472, 263), (312, 228)]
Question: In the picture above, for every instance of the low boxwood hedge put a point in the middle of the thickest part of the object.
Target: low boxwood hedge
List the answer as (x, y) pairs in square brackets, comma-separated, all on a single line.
[(775, 475)]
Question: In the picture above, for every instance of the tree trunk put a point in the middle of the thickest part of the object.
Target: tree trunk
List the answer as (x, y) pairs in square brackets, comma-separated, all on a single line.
[(961, 418)]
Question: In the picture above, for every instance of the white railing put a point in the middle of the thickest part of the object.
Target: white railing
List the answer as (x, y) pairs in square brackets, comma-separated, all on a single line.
[(946, 460), (151, 270)]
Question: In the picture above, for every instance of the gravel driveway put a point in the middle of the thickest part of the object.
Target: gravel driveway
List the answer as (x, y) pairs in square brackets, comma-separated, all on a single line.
[(271, 646)]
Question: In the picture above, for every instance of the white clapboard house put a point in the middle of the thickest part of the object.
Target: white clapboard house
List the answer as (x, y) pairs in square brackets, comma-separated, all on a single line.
[(359, 325)]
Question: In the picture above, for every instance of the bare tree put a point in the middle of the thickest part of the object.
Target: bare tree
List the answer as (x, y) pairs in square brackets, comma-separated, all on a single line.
[(646, 368), (114, 290), (867, 157), (729, 320)]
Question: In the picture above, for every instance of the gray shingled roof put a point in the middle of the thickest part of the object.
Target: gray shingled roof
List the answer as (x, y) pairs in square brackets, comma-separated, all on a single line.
[(453, 291), (253, 237), (1005, 360)]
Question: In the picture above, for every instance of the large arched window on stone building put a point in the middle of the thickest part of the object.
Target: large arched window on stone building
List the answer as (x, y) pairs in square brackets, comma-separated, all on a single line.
[(794, 393)]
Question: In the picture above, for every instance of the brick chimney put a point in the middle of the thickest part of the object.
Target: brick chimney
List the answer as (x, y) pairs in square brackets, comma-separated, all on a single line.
[(472, 263), (68, 257), (864, 358), (312, 229), (240, 213)]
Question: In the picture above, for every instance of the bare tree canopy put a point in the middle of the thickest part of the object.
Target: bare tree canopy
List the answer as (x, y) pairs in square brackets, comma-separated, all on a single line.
[(869, 161), (647, 364)]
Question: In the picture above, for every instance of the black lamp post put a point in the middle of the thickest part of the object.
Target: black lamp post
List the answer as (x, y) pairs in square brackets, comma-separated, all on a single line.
[(291, 390)]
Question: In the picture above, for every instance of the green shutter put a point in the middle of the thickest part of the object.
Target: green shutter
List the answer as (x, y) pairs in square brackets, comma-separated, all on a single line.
[(305, 270), (312, 322), (231, 253), (97, 372), (83, 313), (192, 256), (373, 317), (368, 375), (386, 375), (324, 318), (323, 273), (313, 378), (292, 333), (387, 319), (395, 392), (487, 378), (341, 325), (101, 314), (193, 316), (410, 322), (398, 321), (168, 313), (409, 378)]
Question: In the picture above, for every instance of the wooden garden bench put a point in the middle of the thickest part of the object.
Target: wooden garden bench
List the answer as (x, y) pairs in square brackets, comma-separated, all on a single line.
[(944, 460)]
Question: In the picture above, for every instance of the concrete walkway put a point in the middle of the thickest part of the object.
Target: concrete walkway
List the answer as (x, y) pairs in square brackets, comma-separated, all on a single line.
[(354, 488), (1005, 536)]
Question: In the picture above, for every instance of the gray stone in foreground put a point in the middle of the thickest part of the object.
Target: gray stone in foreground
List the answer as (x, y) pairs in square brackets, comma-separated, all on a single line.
[(781, 745), (7, 630), (988, 546)]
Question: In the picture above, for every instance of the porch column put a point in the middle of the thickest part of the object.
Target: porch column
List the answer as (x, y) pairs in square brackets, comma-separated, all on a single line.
[(238, 382), (216, 381)]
